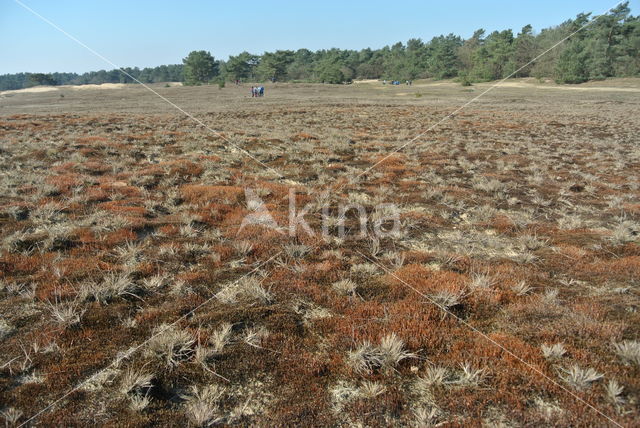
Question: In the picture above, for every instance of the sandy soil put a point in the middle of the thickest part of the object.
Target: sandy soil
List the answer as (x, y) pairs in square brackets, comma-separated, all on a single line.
[(38, 89), (35, 89)]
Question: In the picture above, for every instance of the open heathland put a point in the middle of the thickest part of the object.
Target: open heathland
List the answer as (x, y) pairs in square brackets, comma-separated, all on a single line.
[(506, 294)]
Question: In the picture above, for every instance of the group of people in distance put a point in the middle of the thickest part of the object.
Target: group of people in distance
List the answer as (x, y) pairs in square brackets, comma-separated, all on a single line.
[(397, 82), (257, 91)]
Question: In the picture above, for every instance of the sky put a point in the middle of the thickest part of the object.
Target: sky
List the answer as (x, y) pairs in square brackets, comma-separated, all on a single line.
[(148, 33)]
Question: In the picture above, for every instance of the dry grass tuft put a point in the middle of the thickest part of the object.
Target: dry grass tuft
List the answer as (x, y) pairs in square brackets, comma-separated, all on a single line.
[(67, 314), (628, 351), (580, 378), (367, 358), (614, 392), (345, 286), (202, 405), (170, 344), (553, 352), (112, 286), (135, 382), (246, 289), (11, 416)]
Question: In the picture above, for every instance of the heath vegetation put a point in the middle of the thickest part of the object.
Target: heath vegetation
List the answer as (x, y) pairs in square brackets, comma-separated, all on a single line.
[(126, 271)]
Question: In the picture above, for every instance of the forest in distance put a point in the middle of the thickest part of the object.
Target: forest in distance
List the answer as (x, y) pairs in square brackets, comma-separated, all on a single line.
[(608, 46)]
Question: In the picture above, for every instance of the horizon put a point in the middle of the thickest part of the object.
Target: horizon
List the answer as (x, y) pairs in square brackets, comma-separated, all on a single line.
[(39, 48)]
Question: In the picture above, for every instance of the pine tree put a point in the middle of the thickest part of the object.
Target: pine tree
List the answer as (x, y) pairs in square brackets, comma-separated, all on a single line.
[(199, 67)]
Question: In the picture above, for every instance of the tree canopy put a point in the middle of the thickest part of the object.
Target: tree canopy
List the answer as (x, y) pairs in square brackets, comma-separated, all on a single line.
[(608, 47), (199, 67)]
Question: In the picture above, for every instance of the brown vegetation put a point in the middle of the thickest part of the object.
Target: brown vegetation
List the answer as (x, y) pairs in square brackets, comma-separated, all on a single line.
[(115, 227)]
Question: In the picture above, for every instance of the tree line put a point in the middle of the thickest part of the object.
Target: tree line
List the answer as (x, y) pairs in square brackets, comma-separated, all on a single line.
[(162, 73), (608, 47)]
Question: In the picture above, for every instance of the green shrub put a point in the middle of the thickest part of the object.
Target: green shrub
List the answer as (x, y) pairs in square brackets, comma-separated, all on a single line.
[(464, 79)]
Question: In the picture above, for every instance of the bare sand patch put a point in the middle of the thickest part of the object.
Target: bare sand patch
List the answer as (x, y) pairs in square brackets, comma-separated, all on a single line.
[(40, 89), (30, 90), (582, 87), (102, 86)]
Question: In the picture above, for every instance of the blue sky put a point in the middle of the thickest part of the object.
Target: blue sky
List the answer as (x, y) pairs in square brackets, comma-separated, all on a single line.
[(149, 33)]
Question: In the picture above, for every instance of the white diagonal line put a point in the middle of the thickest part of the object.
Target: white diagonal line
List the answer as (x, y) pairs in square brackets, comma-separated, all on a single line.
[(177, 107), (136, 348), (279, 175), (492, 87), (490, 340)]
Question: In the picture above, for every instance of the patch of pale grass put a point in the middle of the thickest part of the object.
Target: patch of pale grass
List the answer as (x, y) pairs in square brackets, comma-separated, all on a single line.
[(469, 376), (532, 242), (426, 417), (550, 297), (396, 259), (481, 281), (112, 286), (447, 298), (98, 380), (364, 269), (5, 329), (130, 252), (255, 336), (247, 288), (66, 313), (154, 283), (614, 392), (138, 403), (202, 405), (11, 415), (135, 381), (553, 352), (370, 389), (521, 288), (342, 393), (488, 185), (580, 378), (243, 248), (345, 286), (367, 357), (624, 232), (296, 251), (392, 350), (221, 337), (628, 351), (170, 344), (435, 376)]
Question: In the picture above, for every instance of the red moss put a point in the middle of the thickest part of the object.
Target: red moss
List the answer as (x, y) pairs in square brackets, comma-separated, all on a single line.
[(192, 277), (415, 279), (625, 268), (503, 224), (121, 188), (118, 237), (96, 167), (196, 193), (303, 136), (125, 207), (185, 168), (64, 182), (91, 139)]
